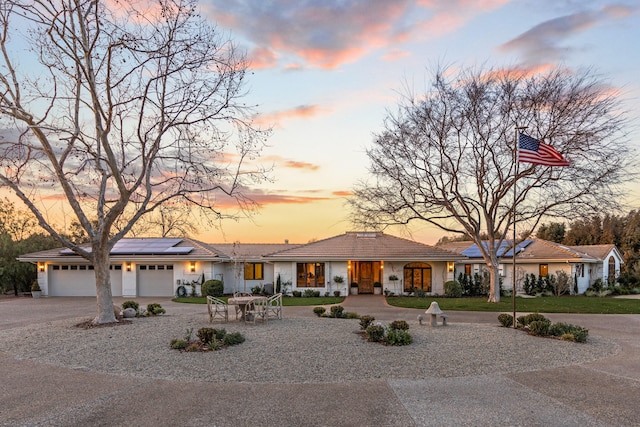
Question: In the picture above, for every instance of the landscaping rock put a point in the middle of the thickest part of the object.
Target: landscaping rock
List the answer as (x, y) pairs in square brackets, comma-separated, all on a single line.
[(129, 313)]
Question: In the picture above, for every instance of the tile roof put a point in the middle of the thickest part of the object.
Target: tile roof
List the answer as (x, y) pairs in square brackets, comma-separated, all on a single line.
[(539, 249), (193, 249), (249, 250), (366, 246), (597, 251)]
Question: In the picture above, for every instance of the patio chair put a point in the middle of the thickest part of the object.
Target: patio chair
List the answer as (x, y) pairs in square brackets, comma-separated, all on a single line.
[(274, 306), (256, 309), (216, 307)]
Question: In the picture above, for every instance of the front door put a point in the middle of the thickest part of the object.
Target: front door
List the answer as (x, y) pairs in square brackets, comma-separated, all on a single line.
[(365, 283)]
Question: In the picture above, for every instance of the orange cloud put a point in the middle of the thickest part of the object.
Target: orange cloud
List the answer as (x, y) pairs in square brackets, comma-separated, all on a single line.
[(262, 57), (342, 193), (301, 111), (301, 165)]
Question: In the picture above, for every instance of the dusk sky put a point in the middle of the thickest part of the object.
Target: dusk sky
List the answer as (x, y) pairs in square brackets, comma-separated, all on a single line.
[(326, 73)]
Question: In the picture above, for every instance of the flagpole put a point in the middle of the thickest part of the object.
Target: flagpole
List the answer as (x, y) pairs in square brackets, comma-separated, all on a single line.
[(513, 213)]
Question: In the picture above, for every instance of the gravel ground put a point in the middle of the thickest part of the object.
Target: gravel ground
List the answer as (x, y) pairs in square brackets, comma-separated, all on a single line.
[(294, 350)]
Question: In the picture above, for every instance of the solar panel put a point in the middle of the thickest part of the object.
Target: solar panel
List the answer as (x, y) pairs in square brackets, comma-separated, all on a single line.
[(148, 246), (473, 251)]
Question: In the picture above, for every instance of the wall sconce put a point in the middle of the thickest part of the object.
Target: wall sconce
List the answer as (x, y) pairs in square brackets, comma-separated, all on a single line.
[(128, 266), (450, 266), (41, 266), (349, 265), (381, 265), (192, 266)]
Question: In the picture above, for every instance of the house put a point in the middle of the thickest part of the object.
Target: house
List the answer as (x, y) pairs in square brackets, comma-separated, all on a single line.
[(154, 267), (159, 266), (540, 257)]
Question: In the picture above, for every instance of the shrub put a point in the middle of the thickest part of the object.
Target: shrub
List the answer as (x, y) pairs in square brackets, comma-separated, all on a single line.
[(420, 293), (257, 290), (505, 320), (205, 335), (336, 293), (532, 317), (319, 311), (214, 345), (375, 333), (194, 346), (131, 304), (398, 337), (155, 309), (297, 294), (452, 289), (177, 344), (578, 333), (399, 325), (233, 338), (337, 311), (540, 327), (365, 321), (220, 333), (212, 288), (310, 293)]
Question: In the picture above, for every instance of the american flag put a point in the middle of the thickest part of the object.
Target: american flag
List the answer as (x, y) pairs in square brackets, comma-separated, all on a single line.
[(531, 150)]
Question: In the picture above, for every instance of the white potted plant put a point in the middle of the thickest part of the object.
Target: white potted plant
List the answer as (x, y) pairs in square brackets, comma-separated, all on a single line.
[(354, 288), (377, 288)]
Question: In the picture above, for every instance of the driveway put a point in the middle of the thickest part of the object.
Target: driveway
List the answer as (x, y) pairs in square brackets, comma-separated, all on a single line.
[(600, 392)]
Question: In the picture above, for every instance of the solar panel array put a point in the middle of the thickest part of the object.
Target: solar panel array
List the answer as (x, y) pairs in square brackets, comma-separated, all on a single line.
[(151, 246), (504, 250)]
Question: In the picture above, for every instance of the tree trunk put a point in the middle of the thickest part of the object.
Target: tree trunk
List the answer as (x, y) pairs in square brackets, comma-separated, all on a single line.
[(494, 288), (103, 287)]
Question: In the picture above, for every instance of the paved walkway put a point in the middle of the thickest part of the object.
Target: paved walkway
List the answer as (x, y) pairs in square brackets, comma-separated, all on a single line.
[(598, 393)]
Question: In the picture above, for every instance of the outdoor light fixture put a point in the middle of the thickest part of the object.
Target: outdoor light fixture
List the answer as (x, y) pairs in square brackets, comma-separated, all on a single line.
[(192, 266), (41, 266), (381, 265), (450, 266), (128, 266)]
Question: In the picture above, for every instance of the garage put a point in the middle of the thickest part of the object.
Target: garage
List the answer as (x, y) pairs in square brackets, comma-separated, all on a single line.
[(155, 280), (67, 280)]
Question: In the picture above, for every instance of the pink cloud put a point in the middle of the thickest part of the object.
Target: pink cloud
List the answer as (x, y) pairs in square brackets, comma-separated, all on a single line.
[(301, 111)]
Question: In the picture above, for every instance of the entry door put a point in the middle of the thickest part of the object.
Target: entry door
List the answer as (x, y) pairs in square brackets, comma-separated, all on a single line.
[(365, 284)]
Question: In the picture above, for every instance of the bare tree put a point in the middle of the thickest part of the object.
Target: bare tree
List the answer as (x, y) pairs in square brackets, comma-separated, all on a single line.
[(117, 112), (448, 157)]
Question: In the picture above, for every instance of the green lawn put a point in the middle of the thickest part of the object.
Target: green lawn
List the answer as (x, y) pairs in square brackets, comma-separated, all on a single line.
[(564, 304), (286, 301)]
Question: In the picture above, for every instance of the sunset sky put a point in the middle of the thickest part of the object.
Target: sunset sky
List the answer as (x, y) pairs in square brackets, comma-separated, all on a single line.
[(327, 71)]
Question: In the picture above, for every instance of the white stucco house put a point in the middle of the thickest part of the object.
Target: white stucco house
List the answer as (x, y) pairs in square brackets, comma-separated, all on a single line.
[(159, 266), (541, 258)]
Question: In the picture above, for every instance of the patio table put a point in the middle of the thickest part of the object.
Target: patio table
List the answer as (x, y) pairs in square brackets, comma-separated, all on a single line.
[(245, 301)]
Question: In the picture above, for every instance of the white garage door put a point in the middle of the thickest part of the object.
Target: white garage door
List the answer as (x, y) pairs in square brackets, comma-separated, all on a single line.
[(155, 280), (68, 280)]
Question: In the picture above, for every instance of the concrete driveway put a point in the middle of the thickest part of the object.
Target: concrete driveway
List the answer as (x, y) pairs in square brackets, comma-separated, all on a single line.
[(597, 393)]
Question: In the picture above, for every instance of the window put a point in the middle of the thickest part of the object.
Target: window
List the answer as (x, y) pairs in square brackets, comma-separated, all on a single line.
[(612, 271), (310, 275), (417, 275), (544, 270), (467, 269), (254, 271)]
